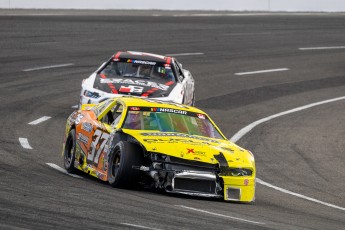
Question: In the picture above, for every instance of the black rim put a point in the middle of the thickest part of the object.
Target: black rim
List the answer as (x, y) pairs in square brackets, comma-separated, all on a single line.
[(68, 152), (116, 163)]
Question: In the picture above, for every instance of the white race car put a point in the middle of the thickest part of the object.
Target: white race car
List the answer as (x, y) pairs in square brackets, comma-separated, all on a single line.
[(139, 74)]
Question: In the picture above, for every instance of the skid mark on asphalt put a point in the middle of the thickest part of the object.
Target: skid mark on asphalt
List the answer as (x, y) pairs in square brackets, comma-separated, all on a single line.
[(48, 67), (249, 127), (219, 215), (58, 168), (323, 48), (39, 120)]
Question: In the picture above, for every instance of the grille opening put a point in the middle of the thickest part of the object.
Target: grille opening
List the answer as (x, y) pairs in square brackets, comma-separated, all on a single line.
[(193, 185), (233, 194)]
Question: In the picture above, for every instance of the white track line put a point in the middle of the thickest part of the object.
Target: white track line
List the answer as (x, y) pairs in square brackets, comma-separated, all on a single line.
[(74, 107), (217, 214), (323, 48), (240, 14), (249, 127), (298, 195), (48, 67), (24, 143), (262, 71), (139, 226), (58, 168), (184, 54), (40, 120)]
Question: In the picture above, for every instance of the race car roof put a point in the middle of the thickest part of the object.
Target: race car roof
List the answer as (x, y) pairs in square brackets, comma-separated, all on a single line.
[(142, 56), (143, 102)]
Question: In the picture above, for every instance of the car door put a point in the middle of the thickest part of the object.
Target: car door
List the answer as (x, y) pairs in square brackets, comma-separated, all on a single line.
[(98, 152)]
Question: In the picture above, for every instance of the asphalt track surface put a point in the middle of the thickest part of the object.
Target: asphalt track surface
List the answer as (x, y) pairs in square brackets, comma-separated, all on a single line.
[(303, 152)]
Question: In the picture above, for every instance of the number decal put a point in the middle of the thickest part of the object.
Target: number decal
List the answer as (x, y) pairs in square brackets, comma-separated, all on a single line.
[(98, 144), (104, 138)]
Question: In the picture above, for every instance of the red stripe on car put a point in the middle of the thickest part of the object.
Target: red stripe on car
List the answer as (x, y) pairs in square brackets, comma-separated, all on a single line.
[(111, 86), (148, 92), (117, 55), (168, 60)]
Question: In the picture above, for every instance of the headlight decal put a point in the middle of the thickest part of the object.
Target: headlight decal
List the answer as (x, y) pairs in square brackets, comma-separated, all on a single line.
[(91, 94)]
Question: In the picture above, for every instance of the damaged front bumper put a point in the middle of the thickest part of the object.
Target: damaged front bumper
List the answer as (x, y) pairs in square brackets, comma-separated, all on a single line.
[(197, 183), (199, 179)]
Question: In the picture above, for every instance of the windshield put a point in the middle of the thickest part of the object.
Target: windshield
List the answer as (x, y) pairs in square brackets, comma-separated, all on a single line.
[(139, 69), (170, 120)]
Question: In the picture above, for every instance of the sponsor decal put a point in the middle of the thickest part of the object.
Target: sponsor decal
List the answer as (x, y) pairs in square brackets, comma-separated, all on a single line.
[(134, 108), (190, 151), (246, 182), (141, 62), (193, 152), (78, 118), (144, 62), (201, 116), (167, 66), (159, 134), (172, 141), (83, 138), (131, 89), (87, 127), (134, 82), (200, 153), (168, 110), (71, 118)]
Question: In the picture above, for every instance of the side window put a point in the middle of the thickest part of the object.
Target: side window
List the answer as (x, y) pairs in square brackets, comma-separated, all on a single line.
[(117, 114), (113, 115), (178, 68), (108, 118)]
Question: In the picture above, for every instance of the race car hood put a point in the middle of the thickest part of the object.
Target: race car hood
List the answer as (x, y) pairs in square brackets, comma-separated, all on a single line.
[(191, 147), (133, 86)]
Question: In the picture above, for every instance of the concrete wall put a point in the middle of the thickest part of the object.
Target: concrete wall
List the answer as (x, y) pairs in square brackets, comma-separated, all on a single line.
[(230, 5)]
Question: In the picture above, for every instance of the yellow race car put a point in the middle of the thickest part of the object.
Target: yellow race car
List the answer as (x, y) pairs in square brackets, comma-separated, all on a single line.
[(132, 141)]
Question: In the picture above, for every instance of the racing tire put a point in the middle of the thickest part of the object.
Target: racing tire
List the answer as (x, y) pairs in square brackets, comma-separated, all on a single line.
[(69, 152), (121, 173)]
